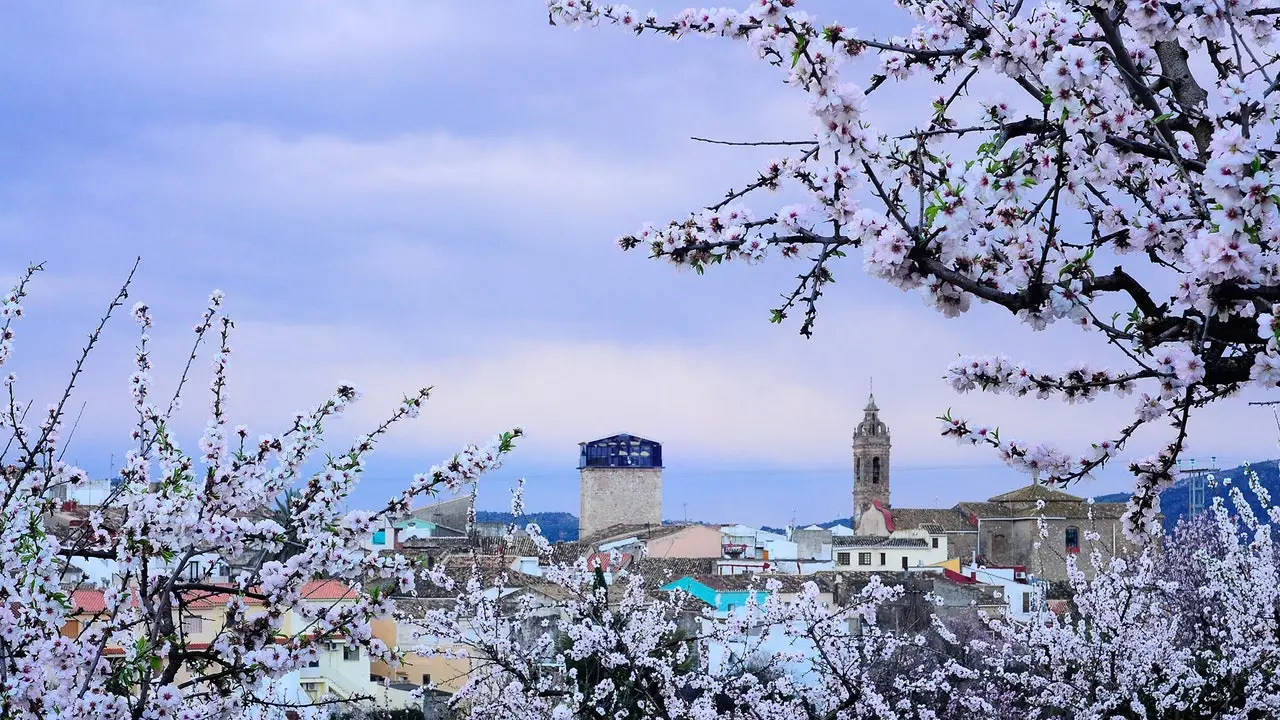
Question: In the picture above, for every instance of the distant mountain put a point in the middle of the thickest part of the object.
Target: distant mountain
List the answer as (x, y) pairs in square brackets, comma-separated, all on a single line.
[(828, 525), (1175, 502), (556, 526)]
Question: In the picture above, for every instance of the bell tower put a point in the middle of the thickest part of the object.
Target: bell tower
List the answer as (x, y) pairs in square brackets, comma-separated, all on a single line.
[(870, 460)]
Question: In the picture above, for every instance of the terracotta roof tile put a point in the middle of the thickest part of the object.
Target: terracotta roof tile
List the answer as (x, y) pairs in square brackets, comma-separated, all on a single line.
[(88, 601), (328, 590)]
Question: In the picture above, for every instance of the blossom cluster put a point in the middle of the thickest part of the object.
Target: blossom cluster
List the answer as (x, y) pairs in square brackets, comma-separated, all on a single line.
[(1144, 133), (168, 513)]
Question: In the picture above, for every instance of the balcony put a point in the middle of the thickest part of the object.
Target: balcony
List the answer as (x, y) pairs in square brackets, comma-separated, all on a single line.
[(733, 550)]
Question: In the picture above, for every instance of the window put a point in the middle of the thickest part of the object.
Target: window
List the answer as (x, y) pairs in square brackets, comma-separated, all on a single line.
[(999, 545), (192, 624), (882, 558), (380, 537), (193, 570), (426, 678), (935, 543), (1073, 539), (864, 558), (842, 558), (1026, 602), (875, 471), (857, 468), (350, 652), (314, 663), (904, 562)]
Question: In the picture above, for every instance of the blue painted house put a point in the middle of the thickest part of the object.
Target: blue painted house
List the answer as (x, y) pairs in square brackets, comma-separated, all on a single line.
[(726, 593)]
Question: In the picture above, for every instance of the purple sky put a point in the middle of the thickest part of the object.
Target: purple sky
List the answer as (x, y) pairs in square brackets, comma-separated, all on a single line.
[(397, 194)]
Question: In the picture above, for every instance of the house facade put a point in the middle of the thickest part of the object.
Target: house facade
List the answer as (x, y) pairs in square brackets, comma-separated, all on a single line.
[(895, 552)]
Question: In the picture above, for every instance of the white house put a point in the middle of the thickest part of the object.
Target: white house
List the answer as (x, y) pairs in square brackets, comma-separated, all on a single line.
[(1024, 595), (895, 552)]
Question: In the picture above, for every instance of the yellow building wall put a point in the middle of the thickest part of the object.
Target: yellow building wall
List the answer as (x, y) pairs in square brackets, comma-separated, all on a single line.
[(448, 674)]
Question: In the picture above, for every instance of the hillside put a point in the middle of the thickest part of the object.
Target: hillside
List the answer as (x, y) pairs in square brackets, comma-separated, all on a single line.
[(828, 525), (556, 526), (1174, 502)]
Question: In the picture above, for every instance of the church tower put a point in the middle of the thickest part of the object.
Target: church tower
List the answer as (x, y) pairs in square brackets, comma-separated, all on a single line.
[(870, 460)]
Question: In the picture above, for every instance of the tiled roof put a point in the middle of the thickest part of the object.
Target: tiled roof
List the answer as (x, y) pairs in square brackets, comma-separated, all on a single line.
[(613, 532), (973, 510), (876, 541), (567, 552), (660, 571), (653, 533), (1033, 492), (459, 568), (88, 601), (932, 519), (327, 590), (1070, 510)]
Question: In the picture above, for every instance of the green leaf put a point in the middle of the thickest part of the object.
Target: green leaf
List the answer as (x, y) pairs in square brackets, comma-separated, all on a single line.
[(1165, 116), (776, 316)]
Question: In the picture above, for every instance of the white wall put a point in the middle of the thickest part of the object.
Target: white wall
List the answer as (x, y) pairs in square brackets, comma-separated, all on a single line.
[(92, 493), (1012, 591), (893, 556)]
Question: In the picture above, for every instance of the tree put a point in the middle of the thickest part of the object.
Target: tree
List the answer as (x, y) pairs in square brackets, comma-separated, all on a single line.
[(1125, 187), (134, 651)]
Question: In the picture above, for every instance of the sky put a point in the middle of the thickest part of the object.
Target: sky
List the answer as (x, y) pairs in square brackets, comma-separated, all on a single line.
[(401, 194)]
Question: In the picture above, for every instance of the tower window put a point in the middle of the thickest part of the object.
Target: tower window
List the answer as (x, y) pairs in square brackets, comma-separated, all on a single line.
[(875, 471), (857, 468), (1073, 539)]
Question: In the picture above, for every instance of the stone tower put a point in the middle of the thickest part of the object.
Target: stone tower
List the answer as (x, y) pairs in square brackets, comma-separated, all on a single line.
[(870, 460), (620, 480)]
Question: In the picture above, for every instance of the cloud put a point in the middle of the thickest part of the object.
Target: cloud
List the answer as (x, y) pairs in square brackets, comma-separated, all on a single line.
[(755, 398), (237, 43)]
